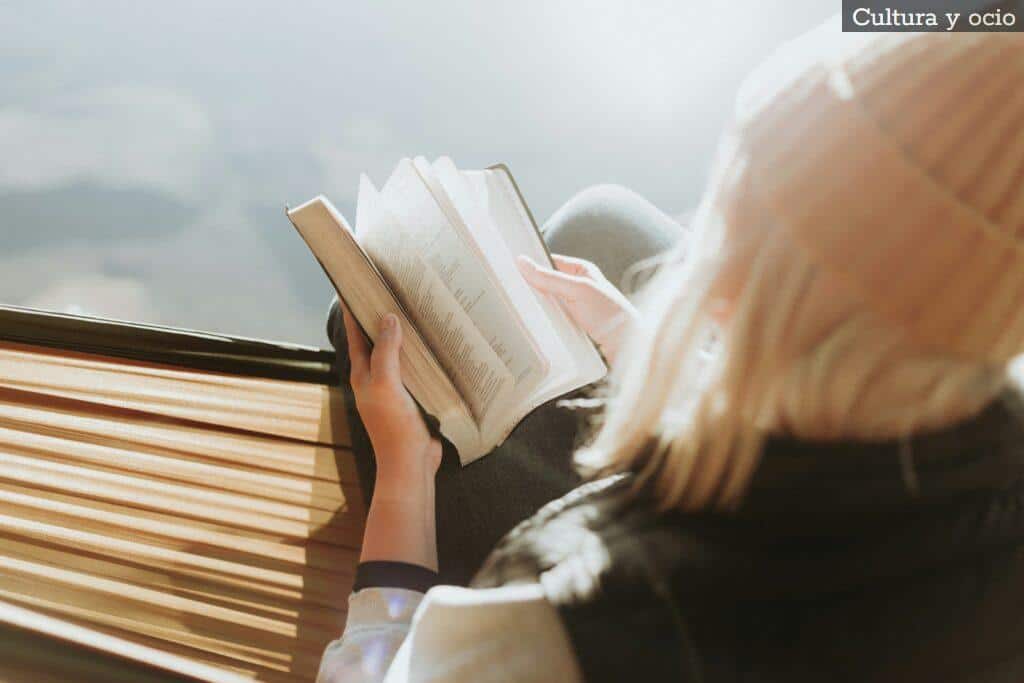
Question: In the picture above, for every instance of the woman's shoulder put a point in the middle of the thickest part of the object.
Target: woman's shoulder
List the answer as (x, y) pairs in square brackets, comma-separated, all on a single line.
[(605, 537), (558, 532)]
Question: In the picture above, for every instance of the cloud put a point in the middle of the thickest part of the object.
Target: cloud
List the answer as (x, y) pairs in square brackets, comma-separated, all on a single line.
[(219, 273), (121, 136), (87, 213), (360, 145), (97, 295), (77, 278)]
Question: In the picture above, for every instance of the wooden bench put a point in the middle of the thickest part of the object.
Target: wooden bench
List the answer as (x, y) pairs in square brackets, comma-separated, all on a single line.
[(198, 513)]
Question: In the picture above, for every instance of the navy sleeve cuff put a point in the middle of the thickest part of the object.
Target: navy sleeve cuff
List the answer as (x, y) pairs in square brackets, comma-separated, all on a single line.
[(383, 574)]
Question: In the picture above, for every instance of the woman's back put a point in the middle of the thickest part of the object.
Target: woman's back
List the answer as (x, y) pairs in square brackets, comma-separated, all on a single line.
[(831, 569)]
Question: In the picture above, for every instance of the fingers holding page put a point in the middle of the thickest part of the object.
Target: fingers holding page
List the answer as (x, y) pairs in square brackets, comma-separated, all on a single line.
[(600, 309), (572, 265), (549, 281)]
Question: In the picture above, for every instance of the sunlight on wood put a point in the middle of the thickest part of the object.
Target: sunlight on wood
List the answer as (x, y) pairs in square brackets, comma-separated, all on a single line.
[(211, 518)]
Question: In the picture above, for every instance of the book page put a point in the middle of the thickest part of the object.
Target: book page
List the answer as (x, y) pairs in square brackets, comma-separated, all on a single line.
[(529, 304), (498, 195), (474, 367), (439, 285), (461, 261)]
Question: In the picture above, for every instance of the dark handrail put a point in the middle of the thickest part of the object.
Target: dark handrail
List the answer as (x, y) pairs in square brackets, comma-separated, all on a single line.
[(168, 345)]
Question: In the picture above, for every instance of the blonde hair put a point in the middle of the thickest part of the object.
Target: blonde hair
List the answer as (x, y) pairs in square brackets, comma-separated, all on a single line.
[(744, 336)]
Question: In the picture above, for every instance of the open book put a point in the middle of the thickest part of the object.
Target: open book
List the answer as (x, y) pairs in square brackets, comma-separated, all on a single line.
[(437, 247)]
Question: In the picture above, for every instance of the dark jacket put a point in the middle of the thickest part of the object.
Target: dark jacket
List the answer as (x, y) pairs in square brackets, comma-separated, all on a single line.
[(846, 562)]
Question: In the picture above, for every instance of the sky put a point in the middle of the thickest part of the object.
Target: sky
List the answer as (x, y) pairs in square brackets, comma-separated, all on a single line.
[(147, 149)]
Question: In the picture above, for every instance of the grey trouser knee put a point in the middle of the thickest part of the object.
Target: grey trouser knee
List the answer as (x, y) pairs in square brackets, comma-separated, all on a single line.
[(613, 227)]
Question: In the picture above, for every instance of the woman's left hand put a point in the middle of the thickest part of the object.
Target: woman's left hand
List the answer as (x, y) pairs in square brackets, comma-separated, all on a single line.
[(400, 521), (406, 453)]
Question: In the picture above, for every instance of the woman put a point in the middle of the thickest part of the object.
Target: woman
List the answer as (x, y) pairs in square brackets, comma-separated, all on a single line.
[(810, 463)]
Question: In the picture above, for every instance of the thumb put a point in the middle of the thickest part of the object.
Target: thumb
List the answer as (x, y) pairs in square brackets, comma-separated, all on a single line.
[(384, 363)]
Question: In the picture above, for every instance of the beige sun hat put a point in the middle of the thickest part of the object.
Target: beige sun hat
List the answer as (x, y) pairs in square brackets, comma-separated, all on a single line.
[(897, 162)]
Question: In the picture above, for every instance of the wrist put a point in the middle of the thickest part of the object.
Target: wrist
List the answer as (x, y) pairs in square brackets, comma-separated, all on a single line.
[(400, 486), (403, 478)]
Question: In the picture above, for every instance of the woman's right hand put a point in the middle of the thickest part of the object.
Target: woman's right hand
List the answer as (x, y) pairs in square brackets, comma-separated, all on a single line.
[(597, 306)]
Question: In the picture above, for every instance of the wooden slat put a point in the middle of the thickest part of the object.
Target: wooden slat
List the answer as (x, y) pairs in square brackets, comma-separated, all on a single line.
[(290, 521), (94, 423), (111, 612), (108, 640), (259, 484), (215, 519), (295, 410), (292, 608), (308, 583), (118, 521)]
